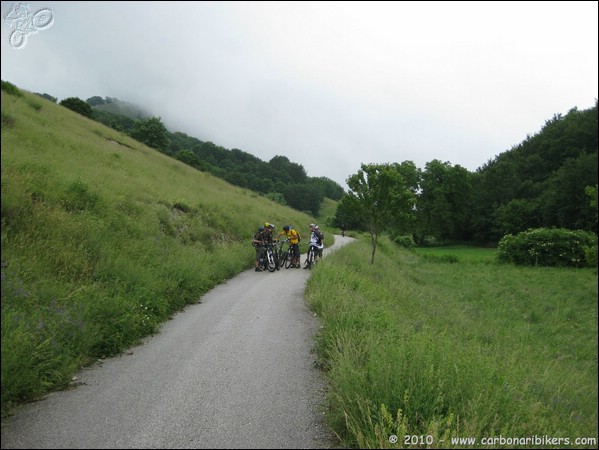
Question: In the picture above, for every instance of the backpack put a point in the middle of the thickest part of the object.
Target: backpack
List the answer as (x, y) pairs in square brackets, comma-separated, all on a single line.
[(319, 235), (257, 237), (299, 236)]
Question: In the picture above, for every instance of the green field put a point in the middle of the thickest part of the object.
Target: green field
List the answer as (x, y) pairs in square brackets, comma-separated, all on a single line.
[(458, 253), (441, 344)]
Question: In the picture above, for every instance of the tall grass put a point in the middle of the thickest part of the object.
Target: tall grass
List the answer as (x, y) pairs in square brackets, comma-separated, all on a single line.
[(458, 253), (433, 351), (103, 239)]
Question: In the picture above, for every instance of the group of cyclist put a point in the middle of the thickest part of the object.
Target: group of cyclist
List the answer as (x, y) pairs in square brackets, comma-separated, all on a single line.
[(266, 236)]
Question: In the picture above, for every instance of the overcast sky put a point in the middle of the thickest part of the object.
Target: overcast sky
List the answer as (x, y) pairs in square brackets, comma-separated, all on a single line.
[(330, 85)]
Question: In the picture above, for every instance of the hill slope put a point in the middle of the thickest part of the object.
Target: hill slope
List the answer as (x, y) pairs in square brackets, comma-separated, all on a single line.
[(103, 239)]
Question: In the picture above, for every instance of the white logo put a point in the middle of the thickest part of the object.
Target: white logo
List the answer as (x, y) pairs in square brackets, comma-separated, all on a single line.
[(25, 22)]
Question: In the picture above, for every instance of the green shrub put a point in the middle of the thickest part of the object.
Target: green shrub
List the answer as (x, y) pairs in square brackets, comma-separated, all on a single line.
[(591, 256), (404, 241), (7, 121), (11, 89), (553, 247), (77, 197), (78, 105)]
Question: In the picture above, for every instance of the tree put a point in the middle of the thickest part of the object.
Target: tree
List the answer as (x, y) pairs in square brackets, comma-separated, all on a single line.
[(95, 101), (79, 106), (303, 197), (381, 196), (292, 172), (444, 203), (345, 213), (47, 97), (591, 192), (151, 132), (189, 158), (328, 187), (564, 201), (516, 216)]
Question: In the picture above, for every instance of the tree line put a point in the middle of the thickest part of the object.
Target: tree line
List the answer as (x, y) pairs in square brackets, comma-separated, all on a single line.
[(547, 181), (279, 179)]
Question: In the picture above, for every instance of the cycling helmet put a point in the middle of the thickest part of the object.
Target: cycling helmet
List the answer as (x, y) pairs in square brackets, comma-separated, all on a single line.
[(266, 225), (260, 228), (271, 226), (286, 227), (312, 225)]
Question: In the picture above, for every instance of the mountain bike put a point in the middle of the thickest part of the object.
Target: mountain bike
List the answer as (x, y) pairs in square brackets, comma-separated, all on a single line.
[(285, 254), (267, 260), (312, 256), (272, 255)]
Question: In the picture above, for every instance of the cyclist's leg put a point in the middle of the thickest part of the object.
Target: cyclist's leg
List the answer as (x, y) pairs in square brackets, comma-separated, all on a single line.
[(297, 255), (308, 258), (259, 253)]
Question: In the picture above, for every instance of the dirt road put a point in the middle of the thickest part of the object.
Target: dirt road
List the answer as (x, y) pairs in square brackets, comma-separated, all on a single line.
[(233, 371)]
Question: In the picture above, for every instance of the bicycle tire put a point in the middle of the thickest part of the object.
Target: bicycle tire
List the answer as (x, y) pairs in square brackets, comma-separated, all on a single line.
[(277, 257), (270, 261), (282, 259), (288, 260), (310, 257)]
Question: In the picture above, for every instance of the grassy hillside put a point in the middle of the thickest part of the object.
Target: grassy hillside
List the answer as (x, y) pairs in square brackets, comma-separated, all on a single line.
[(327, 211), (103, 239)]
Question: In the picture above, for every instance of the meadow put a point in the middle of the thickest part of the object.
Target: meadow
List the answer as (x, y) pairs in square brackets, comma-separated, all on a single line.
[(458, 253), (445, 348)]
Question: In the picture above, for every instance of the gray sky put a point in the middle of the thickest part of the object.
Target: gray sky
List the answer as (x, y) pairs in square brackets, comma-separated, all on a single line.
[(330, 85)]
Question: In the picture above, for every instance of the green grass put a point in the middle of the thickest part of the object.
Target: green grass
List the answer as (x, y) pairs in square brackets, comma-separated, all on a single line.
[(103, 239), (413, 346), (327, 210), (458, 253)]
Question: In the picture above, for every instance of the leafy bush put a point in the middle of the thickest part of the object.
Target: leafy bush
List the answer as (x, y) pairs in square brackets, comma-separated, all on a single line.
[(555, 247), (404, 241), (11, 89), (7, 121), (78, 105), (591, 256), (77, 197)]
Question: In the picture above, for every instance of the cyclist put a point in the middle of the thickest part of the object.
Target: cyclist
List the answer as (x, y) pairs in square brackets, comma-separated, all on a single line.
[(294, 240), (320, 238), (269, 230), (317, 241), (258, 241)]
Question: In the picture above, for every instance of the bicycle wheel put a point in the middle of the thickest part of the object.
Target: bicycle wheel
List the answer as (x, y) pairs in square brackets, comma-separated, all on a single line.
[(270, 261), (288, 258), (277, 257), (282, 258), (310, 257)]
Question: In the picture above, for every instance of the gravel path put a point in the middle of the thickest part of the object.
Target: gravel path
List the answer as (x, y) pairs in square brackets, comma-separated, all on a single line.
[(233, 371)]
